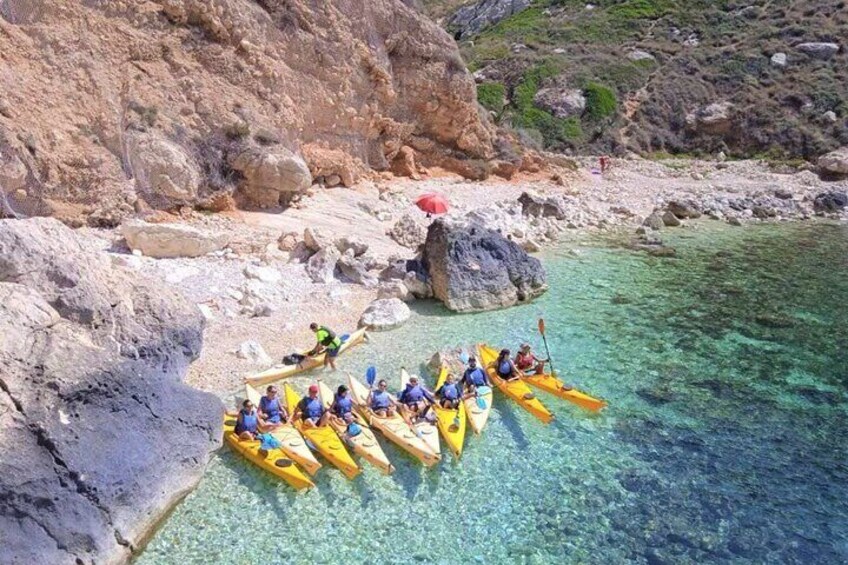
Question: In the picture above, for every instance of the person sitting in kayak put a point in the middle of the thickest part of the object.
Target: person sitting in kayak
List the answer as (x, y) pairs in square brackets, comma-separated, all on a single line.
[(504, 367), (474, 376), (328, 342), (352, 429), (247, 423), (526, 362), (342, 404), (311, 410), (272, 414), (415, 399), (380, 401), (449, 393)]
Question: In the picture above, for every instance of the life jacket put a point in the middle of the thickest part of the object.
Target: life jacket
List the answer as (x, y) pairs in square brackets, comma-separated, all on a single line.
[(475, 376), (412, 394), (273, 408), (505, 368), (342, 405), (380, 400), (450, 391), (311, 408), (249, 422), (525, 361), (329, 338)]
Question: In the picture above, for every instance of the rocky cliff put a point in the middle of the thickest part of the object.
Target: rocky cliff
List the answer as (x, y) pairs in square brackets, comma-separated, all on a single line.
[(98, 435), (110, 107)]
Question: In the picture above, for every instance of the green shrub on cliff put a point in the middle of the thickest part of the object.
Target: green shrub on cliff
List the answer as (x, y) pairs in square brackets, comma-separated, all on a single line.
[(491, 95), (600, 101)]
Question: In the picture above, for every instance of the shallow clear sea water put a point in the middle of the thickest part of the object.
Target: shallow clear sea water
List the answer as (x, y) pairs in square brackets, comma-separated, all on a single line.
[(726, 439)]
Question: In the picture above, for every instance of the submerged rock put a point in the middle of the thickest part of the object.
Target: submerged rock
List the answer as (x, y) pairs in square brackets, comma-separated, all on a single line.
[(472, 268), (99, 438)]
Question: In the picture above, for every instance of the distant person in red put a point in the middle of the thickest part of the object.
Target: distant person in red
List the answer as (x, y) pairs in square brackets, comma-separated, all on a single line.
[(605, 163)]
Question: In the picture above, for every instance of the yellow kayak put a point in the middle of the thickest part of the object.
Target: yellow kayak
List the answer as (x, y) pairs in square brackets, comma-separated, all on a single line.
[(292, 442), (274, 461), (323, 438), (427, 430), (553, 385), (394, 427), (365, 443), (516, 390), (278, 372), (451, 422)]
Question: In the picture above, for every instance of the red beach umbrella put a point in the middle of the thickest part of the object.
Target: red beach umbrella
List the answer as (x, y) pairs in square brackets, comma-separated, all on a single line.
[(432, 203)]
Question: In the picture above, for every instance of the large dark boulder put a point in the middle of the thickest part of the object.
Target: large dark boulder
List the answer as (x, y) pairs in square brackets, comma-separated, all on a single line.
[(534, 205), (472, 268), (99, 437), (831, 201)]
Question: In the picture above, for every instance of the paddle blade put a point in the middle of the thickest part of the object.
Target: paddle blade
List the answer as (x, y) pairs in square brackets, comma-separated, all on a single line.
[(371, 375), (463, 356), (542, 326), (481, 402)]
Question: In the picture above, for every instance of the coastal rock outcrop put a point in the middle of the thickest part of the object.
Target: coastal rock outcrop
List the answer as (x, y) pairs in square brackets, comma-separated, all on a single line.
[(188, 99), (98, 435), (385, 314), (832, 201), (472, 268), (171, 240)]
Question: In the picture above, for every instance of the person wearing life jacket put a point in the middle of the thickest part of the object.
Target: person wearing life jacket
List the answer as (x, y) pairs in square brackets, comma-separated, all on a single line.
[(474, 376), (311, 410), (504, 367), (247, 423), (380, 401), (415, 399), (327, 341), (449, 394), (272, 413), (342, 403), (526, 362)]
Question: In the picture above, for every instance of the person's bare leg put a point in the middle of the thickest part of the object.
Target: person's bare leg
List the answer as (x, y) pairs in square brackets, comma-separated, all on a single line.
[(245, 436), (324, 419)]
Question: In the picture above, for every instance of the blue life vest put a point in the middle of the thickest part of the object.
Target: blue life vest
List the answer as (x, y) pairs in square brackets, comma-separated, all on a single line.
[(412, 394), (475, 376), (380, 400), (311, 408), (273, 408), (505, 368), (450, 391), (249, 422), (342, 405)]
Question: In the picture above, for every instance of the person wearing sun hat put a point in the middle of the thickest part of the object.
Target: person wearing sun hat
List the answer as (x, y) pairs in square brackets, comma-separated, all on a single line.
[(526, 362)]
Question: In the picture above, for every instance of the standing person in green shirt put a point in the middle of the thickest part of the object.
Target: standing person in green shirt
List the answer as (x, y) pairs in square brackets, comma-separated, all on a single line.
[(328, 341)]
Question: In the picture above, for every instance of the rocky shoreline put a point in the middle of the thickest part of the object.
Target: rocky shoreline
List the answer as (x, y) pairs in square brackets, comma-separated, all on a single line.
[(252, 281)]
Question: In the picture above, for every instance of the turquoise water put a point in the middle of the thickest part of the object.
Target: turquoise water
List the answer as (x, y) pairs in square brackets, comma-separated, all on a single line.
[(726, 439)]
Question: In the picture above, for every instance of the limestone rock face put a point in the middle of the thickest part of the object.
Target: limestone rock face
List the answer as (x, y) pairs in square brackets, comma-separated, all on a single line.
[(713, 119), (321, 267), (385, 314), (98, 435), (271, 175), (348, 83), (162, 170), (472, 268), (474, 18), (561, 102), (835, 162), (171, 240)]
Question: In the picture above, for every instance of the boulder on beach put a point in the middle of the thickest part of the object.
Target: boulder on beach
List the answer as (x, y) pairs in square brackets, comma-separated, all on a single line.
[(472, 268), (385, 314), (171, 240), (94, 445), (835, 162), (831, 201)]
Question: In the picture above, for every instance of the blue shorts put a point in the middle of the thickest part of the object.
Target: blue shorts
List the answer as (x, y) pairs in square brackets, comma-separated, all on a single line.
[(333, 352)]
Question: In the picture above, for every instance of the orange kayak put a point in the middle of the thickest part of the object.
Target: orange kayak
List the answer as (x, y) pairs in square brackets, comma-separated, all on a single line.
[(553, 385)]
